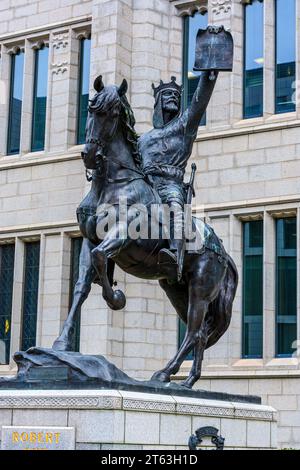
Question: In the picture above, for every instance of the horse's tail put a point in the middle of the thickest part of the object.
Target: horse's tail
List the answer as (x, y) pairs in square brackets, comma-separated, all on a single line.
[(220, 310)]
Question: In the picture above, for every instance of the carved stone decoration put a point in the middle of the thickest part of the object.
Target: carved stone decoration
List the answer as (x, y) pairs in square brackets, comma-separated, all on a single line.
[(221, 6), (83, 34), (208, 431), (60, 41), (15, 49), (59, 67), (39, 43), (188, 8), (191, 10)]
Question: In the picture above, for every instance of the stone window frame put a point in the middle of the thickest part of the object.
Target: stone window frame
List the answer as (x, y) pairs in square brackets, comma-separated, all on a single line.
[(220, 9), (269, 112), (67, 233), (269, 364), (54, 38), (236, 216)]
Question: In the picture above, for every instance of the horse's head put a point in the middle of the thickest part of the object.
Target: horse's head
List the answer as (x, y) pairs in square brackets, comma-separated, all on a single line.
[(102, 120)]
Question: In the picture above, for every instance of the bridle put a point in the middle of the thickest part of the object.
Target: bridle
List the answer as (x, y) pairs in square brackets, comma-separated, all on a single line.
[(102, 160)]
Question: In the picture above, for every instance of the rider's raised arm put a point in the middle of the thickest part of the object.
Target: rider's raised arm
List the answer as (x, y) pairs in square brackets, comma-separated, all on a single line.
[(195, 111)]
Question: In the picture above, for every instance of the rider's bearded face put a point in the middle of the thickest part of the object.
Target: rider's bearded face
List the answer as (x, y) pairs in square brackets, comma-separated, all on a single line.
[(170, 100)]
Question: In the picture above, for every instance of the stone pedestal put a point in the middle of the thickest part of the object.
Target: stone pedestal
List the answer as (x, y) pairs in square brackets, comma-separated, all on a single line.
[(108, 419)]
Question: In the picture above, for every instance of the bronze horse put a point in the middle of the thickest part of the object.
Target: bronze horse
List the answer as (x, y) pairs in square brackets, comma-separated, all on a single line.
[(204, 297)]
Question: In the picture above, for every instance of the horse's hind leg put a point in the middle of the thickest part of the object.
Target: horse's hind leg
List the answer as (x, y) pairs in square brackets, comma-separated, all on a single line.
[(196, 315), (199, 349), (82, 289), (204, 285)]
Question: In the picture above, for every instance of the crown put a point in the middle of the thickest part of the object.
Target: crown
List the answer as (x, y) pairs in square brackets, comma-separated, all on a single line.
[(172, 85)]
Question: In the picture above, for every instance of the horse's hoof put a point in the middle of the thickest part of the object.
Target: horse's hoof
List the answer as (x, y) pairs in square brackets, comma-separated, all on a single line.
[(187, 385), (60, 345), (161, 377), (118, 302)]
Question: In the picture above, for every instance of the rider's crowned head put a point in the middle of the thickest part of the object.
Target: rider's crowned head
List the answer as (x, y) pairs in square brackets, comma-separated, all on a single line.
[(167, 102)]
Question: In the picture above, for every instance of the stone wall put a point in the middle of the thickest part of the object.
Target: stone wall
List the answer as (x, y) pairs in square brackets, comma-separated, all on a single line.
[(280, 392)]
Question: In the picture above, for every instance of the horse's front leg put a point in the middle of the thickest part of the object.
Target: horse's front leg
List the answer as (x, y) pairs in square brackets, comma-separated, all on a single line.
[(108, 248), (82, 289)]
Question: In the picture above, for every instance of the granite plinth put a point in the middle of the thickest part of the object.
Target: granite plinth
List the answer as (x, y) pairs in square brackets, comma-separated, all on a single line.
[(46, 369)]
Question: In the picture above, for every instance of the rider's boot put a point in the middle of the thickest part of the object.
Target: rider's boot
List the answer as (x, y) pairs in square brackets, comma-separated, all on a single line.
[(168, 259)]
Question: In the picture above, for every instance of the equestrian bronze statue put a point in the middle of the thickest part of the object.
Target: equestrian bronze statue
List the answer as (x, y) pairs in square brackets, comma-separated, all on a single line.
[(148, 171)]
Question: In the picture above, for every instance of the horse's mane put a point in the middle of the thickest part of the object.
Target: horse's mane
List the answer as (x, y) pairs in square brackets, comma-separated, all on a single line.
[(104, 102)]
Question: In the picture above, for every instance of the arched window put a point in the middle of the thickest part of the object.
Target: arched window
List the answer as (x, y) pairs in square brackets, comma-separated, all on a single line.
[(253, 59), (285, 55)]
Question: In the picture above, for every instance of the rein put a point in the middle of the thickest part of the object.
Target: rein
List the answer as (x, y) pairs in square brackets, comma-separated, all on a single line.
[(101, 146)]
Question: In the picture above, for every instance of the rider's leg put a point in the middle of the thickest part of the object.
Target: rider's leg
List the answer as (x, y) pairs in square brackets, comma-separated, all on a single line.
[(82, 289), (113, 243), (176, 238)]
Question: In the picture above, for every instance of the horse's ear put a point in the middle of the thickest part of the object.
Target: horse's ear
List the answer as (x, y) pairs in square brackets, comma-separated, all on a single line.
[(98, 84), (122, 90)]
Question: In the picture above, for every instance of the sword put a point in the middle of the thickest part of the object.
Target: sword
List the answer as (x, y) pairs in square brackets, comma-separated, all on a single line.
[(190, 195), (191, 190)]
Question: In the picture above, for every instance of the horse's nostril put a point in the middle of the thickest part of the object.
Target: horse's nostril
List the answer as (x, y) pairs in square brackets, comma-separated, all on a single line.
[(83, 155)]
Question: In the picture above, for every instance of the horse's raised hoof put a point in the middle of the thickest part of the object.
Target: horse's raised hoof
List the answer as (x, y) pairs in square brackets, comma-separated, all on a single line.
[(160, 377), (118, 302)]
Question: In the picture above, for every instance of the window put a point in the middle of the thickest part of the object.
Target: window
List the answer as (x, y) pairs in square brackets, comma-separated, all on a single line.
[(253, 59), (84, 85), (40, 99), (181, 334), (7, 255), (286, 285), (76, 244), (30, 296), (253, 289), (191, 26), (15, 103), (285, 55)]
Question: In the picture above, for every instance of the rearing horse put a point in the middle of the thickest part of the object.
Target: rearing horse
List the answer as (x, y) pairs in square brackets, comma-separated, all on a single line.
[(204, 297)]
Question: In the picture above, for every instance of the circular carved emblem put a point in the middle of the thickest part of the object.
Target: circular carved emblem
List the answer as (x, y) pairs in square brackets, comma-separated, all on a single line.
[(208, 431)]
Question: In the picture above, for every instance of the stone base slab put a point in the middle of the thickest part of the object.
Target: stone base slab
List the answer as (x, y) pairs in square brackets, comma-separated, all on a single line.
[(108, 419)]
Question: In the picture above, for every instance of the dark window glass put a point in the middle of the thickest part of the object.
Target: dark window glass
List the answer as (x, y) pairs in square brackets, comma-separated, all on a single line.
[(7, 256), (191, 26), (253, 290), (84, 84), (285, 55), (76, 244), (30, 296), (40, 99), (15, 105), (253, 59), (181, 334), (286, 286)]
